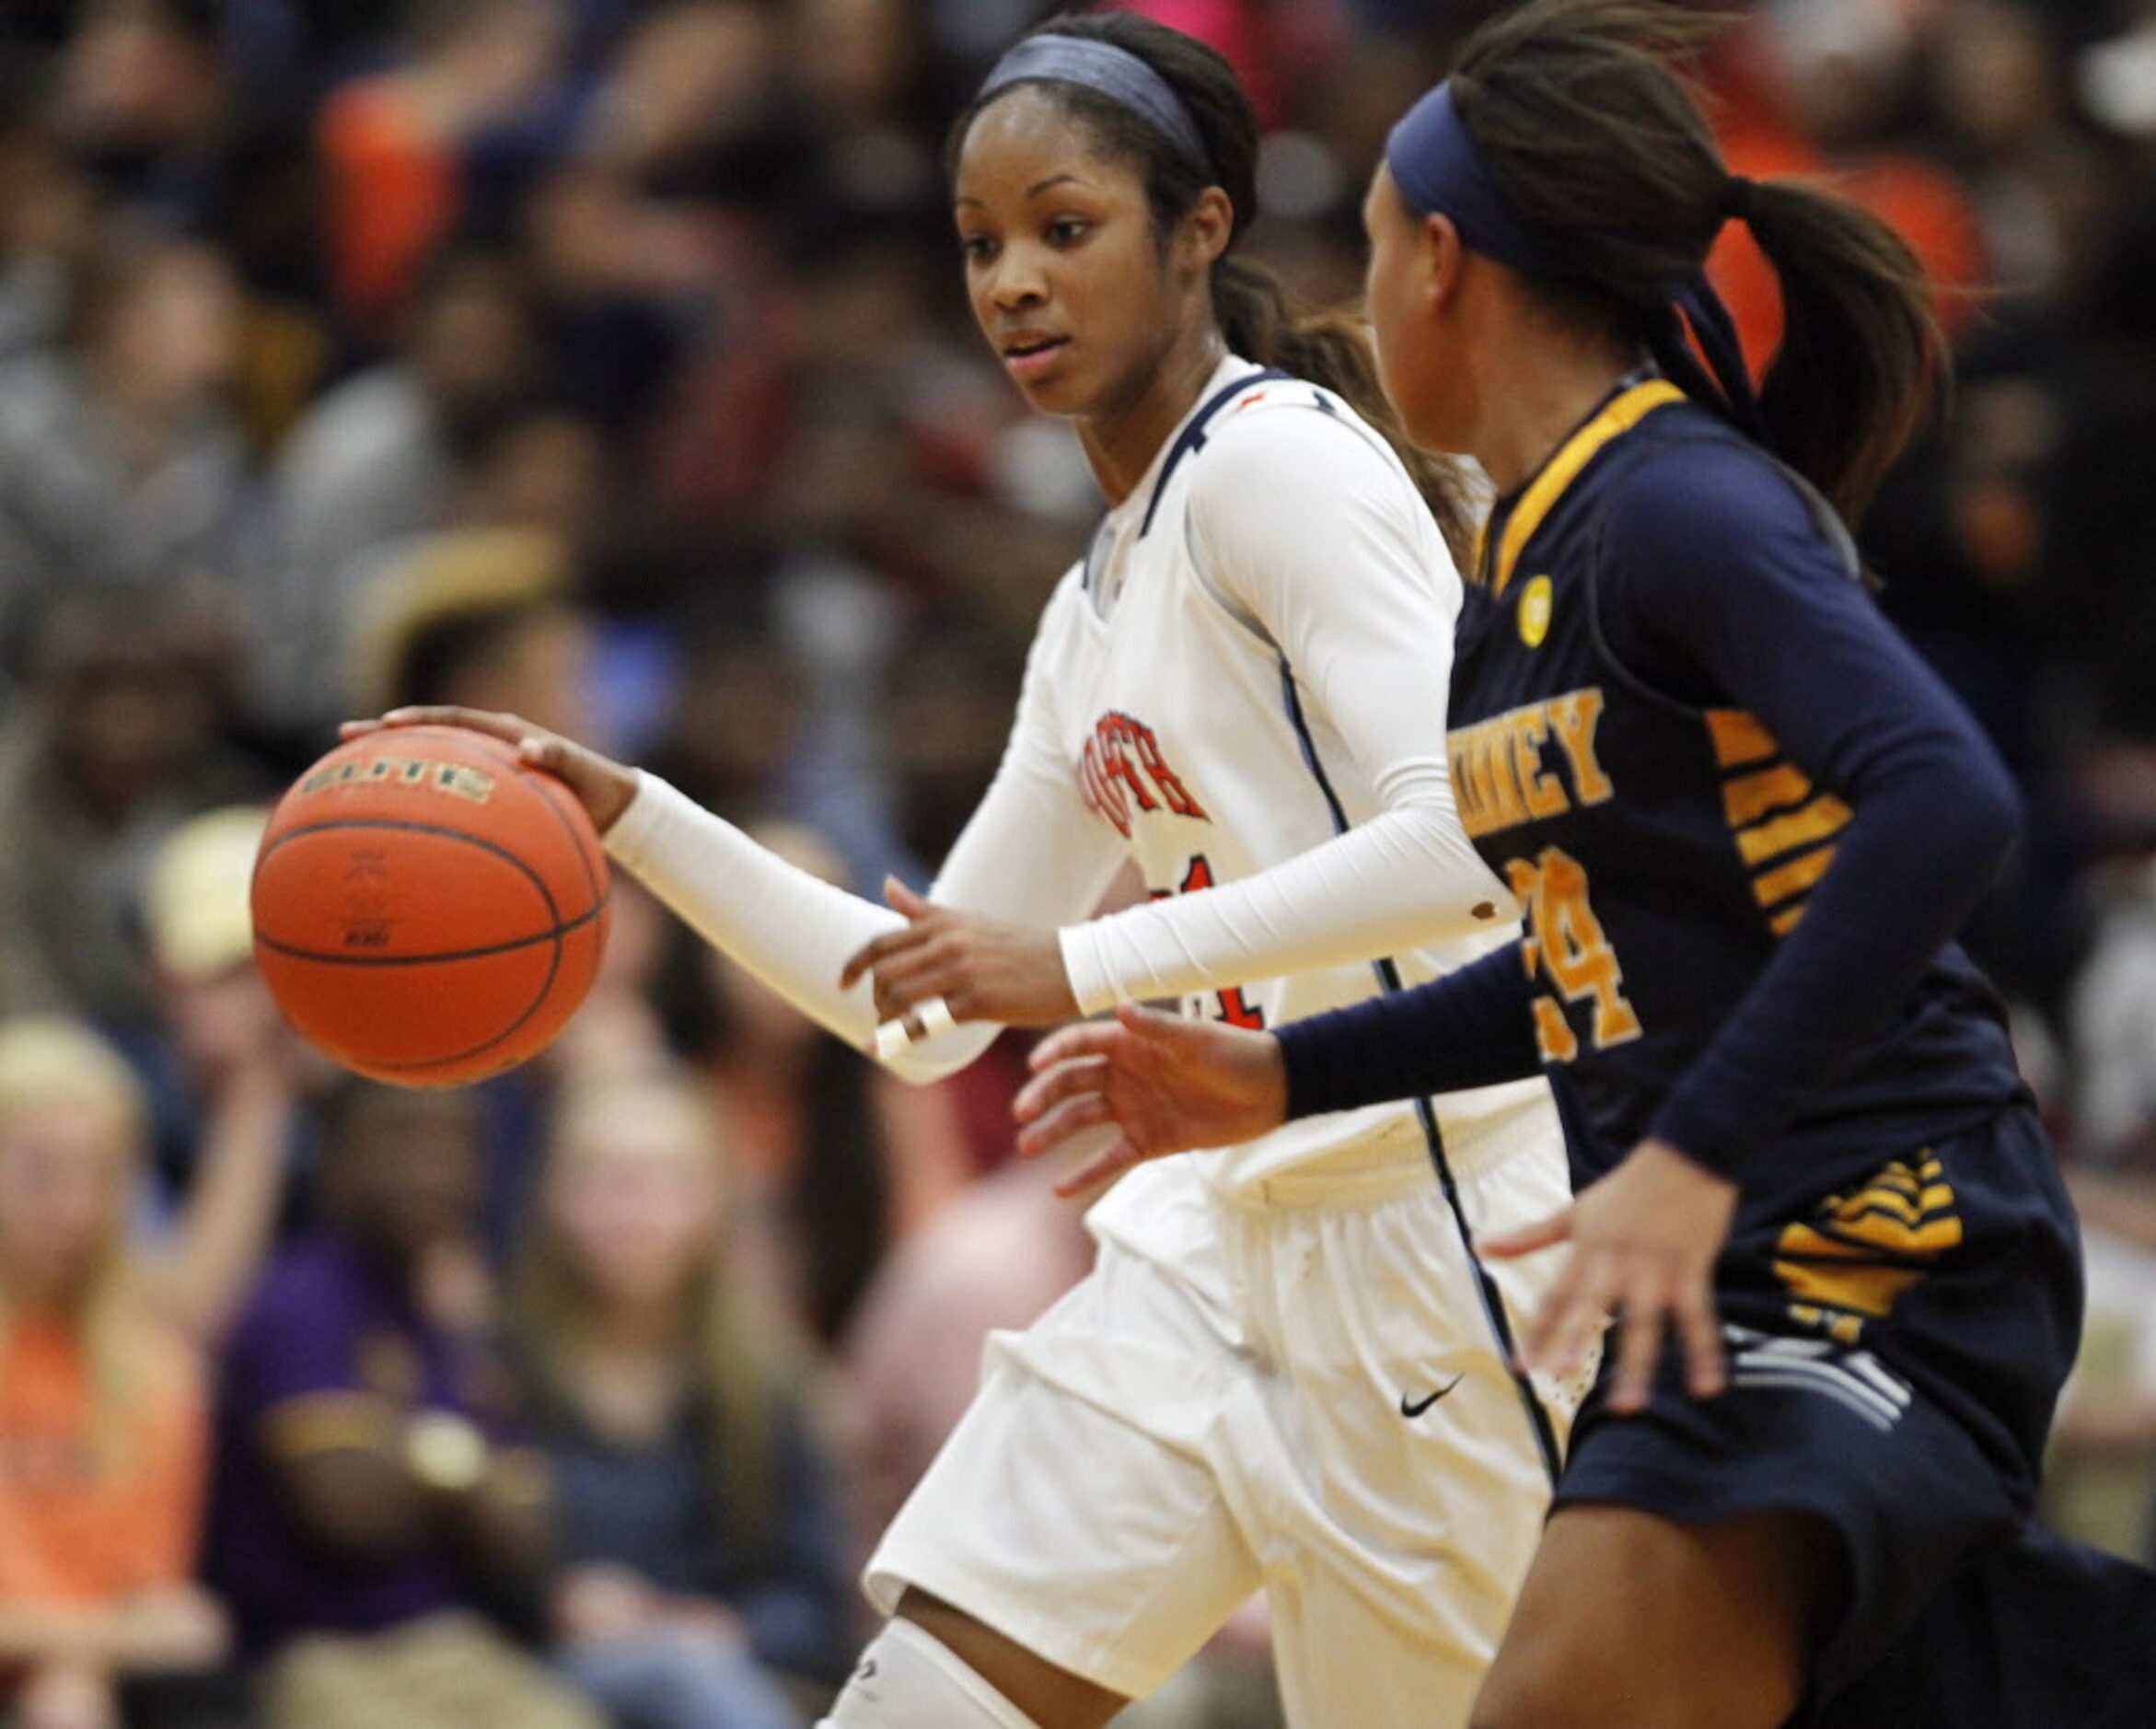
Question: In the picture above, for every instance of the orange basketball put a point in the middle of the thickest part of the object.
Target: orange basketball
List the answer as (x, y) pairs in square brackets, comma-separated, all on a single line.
[(427, 910)]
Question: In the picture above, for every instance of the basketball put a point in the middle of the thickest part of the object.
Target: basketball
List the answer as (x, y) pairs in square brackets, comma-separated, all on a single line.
[(427, 910)]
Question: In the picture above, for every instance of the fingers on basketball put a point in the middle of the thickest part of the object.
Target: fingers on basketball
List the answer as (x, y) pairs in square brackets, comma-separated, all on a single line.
[(426, 910)]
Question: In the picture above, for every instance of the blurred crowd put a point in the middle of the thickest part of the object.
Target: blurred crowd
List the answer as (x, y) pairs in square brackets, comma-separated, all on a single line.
[(605, 360)]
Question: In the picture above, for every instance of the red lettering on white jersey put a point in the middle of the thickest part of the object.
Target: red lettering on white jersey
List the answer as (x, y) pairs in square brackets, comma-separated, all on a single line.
[(1123, 766)]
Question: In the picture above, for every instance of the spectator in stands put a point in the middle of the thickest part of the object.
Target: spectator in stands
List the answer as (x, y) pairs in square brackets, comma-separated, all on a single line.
[(697, 1527), (120, 470), (832, 1161), (2038, 185), (935, 722), (230, 1078), (144, 97), (368, 1499), (370, 465), (527, 461), (102, 1426), (482, 617), (688, 82), (617, 1034), (111, 748), (741, 729), (48, 222), (1815, 90), (394, 145), (2112, 1011)]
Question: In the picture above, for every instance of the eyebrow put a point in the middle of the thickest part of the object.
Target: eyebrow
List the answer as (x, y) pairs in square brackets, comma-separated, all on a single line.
[(1033, 190)]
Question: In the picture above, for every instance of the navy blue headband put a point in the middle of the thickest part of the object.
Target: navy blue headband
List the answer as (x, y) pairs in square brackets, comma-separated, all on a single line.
[(1440, 172), (1115, 72)]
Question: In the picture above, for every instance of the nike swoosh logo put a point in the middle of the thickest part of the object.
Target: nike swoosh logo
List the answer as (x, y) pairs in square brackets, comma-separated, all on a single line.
[(1419, 1406)]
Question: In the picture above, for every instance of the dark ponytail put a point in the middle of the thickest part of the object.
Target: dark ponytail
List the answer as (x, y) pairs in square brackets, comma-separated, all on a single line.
[(1596, 139), (1257, 320), (1861, 353), (1250, 304)]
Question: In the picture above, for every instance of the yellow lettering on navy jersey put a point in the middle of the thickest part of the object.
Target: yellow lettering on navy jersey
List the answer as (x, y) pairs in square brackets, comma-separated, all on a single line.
[(1575, 715), (1566, 944), (1503, 772), (1543, 792), (1508, 804), (1471, 790)]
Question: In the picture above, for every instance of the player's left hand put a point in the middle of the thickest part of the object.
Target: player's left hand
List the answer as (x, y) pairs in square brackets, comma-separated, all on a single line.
[(1644, 1239), (984, 968), (1162, 1083)]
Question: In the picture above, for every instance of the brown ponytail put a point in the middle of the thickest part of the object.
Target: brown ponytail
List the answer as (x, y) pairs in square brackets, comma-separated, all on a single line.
[(1861, 353), (1249, 303), (1251, 306), (1599, 140)]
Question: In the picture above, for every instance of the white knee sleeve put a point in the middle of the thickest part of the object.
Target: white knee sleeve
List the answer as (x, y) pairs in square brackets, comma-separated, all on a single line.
[(908, 1679)]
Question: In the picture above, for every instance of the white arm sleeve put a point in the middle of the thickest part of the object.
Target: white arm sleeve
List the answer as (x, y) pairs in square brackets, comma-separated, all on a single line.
[(1030, 852), (1315, 536)]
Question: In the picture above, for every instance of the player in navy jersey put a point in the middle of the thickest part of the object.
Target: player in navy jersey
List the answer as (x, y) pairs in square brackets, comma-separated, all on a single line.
[(1744, 822)]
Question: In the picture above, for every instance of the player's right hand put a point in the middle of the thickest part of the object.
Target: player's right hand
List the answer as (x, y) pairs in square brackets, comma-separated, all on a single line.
[(1164, 1083), (603, 786)]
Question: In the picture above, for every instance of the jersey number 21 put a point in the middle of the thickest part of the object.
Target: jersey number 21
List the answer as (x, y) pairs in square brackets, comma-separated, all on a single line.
[(1235, 1009)]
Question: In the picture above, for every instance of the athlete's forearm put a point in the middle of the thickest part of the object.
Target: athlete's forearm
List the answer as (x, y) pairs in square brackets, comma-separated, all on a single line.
[(792, 930), (1029, 853), (1474, 1028), (1918, 854), (1407, 879)]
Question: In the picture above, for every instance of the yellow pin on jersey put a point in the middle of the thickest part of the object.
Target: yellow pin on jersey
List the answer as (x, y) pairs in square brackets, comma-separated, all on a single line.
[(1534, 614)]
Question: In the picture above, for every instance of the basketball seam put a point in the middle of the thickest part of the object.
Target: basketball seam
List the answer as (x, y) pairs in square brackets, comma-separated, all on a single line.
[(405, 825), (601, 893), (600, 898), (539, 779), (553, 935), (485, 1045)]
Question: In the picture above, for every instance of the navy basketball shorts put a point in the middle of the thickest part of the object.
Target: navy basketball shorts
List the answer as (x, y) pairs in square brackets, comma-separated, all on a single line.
[(1894, 1351)]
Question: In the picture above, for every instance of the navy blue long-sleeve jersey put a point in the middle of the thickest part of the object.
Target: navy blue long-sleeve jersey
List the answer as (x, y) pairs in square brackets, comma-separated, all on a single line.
[(1744, 822)]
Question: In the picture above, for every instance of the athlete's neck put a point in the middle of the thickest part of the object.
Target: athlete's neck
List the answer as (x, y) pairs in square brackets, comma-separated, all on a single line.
[(1538, 392), (1121, 441)]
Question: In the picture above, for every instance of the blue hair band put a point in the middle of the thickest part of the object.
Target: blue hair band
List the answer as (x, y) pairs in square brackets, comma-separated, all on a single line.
[(1440, 172), (1115, 73)]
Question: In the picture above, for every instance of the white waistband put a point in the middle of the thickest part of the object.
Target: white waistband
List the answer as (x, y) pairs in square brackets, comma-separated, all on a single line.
[(1393, 1157)]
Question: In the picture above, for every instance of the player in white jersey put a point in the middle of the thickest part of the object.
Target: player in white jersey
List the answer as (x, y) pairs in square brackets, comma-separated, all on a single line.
[(1289, 1368)]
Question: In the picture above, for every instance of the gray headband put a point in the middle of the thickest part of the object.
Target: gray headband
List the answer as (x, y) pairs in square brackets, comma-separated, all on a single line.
[(1116, 72)]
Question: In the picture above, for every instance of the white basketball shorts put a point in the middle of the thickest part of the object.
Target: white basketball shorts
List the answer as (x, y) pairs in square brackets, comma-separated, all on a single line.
[(1304, 1394)]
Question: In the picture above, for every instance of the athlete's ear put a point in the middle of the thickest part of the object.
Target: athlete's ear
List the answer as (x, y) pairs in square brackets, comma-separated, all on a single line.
[(1441, 257), (1207, 228)]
